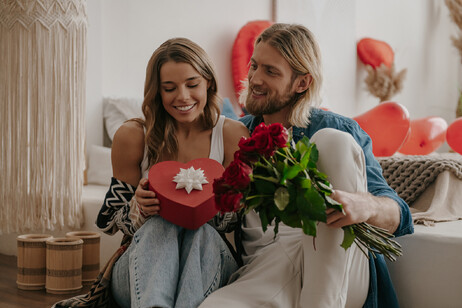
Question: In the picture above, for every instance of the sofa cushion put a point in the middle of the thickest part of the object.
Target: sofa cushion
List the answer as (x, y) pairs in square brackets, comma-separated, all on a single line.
[(118, 110), (99, 165)]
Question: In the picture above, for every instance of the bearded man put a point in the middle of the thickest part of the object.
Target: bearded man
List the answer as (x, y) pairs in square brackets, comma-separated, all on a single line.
[(286, 271)]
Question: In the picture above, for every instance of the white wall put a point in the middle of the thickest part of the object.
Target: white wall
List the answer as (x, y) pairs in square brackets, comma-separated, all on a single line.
[(419, 32), (94, 123), (333, 24), (133, 29), (123, 34)]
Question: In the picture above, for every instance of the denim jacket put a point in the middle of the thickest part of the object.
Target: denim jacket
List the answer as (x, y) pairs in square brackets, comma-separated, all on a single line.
[(381, 291)]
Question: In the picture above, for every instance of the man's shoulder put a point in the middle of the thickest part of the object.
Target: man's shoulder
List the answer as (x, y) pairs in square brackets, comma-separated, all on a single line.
[(247, 119), (250, 121), (325, 118)]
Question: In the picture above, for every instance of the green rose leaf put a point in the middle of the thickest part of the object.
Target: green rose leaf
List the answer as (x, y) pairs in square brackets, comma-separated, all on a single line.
[(334, 204), (305, 183), (280, 166), (312, 205), (252, 202), (291, 172), (281, 198), (305, 159), (314, 154), (348, 237), (324, 187), (305, 140), (311, 165), (264, 220), (301, 147), (264, 187), (309, 226), (292, 220)]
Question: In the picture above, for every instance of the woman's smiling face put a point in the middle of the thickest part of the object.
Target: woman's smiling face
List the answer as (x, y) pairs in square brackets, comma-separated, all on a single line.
[(183, 91)]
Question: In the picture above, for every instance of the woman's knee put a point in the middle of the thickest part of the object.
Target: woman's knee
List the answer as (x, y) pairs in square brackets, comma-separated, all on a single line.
[(159, 226)]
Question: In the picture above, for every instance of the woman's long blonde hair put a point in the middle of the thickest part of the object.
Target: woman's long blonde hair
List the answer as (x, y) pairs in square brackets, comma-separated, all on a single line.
[(160, 126)]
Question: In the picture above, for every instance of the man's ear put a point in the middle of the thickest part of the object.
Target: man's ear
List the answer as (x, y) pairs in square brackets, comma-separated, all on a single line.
[(302, 82)]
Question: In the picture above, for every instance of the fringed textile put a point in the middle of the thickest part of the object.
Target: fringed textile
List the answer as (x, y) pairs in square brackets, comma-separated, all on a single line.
[(42, 113)]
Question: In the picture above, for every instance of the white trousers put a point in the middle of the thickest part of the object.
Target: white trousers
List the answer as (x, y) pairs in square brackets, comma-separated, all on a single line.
[(290, 272)]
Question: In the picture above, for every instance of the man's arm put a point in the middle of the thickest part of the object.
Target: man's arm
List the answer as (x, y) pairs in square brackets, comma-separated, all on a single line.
[(381, 207)]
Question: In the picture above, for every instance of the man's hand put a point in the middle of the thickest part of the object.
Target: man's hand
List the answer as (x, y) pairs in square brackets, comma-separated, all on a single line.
[(364, 207)]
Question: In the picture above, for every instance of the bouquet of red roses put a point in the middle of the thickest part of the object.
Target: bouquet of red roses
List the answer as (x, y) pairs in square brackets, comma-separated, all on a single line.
[(280, 181)]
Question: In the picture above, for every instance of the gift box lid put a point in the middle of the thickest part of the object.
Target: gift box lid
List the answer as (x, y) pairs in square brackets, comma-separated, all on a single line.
[(185, 190)]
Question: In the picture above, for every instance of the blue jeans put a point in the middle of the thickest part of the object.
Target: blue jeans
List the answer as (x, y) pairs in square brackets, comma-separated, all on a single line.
[(169, 266)]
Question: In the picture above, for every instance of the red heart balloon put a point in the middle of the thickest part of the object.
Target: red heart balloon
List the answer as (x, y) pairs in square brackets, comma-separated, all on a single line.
[(177, 206), (242, 50), (374, 52), (454, 135), (388, 126), (427, 135)]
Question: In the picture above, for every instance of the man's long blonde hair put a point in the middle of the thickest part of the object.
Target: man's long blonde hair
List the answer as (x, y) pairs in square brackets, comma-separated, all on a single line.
[(160, 126), (299, 48)]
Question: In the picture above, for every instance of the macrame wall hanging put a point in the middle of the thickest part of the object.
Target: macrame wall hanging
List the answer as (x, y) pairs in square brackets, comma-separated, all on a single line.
[(42, 113)]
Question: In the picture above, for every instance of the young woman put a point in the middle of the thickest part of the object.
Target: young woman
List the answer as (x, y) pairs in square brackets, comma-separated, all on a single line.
[(167, 265)]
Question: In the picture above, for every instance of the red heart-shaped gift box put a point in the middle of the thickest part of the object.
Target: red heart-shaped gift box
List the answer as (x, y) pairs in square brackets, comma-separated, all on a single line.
[(177, 206)]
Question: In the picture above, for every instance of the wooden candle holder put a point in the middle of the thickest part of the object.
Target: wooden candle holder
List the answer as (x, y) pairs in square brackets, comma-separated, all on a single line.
[(64, 265), (32, 261), (90, 254)]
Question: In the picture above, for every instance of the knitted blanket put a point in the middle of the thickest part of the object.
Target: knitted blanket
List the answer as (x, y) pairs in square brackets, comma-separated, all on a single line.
[(437, 178)]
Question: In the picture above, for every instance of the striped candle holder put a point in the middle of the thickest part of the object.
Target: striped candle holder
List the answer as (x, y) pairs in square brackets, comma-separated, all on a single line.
[(64, 265), (90, 256), (32, 261)]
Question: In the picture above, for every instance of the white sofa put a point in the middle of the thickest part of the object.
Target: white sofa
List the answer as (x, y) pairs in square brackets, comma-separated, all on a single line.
[(429, 274)]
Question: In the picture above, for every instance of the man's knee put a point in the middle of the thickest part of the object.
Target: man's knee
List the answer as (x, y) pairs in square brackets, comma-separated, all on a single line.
[(330, 140), (341, 158)]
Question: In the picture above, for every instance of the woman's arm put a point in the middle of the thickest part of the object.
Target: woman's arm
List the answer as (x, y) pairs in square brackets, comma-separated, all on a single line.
[(127, 152), (233, 131), (119, 210)]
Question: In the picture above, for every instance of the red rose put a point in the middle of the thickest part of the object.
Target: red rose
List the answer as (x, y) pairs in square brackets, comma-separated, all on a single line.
[(219, 186), (246, 157), (278, 134), (229, 201), (261, 128), (247, 144), (237, 174), (264, 143)]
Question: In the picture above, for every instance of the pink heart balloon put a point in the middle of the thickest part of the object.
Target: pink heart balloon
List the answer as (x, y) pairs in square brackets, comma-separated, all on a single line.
[(427, 135), (388, 126), (454, 135)]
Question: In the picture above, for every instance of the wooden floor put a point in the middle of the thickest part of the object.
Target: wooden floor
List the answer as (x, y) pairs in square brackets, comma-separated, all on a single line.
[(12, 297)]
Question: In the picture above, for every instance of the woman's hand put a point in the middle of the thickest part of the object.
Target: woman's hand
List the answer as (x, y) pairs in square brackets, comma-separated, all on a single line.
[(146, 199)]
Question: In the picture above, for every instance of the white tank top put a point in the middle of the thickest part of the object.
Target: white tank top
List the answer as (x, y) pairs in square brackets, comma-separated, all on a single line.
[(217, 149)]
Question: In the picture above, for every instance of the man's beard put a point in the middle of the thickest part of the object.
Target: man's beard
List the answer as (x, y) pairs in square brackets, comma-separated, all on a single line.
[(271, 104)]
